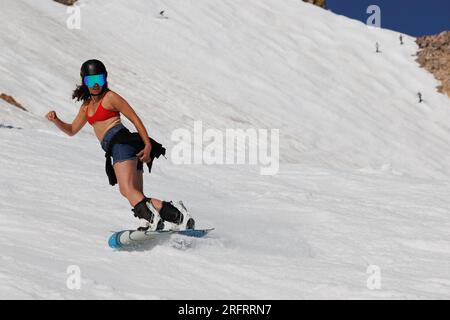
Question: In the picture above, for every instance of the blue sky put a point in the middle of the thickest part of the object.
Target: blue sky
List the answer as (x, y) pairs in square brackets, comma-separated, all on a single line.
[(412, 17)]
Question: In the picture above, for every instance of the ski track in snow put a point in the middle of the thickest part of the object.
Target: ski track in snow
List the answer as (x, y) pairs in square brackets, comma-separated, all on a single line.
[(364, 172)]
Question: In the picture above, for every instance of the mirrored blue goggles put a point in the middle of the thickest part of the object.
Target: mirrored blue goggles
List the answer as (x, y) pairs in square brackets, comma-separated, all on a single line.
[(90, 81)]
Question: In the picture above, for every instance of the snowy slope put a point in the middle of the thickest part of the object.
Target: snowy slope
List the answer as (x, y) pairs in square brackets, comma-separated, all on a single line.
[(364, 172)]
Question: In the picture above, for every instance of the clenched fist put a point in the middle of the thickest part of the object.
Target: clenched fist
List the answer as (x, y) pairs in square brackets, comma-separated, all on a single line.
[(51, 116)]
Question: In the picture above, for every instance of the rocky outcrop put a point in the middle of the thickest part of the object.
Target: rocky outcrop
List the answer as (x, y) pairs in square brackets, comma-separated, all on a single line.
[(434, 56), (320, 3), (12, 101), (66, 2)]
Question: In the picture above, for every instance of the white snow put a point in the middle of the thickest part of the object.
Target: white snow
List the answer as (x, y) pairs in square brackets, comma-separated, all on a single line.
[(364, 171)]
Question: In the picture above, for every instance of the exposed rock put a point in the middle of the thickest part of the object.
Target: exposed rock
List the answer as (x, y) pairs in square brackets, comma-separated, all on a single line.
[(66, 2), (12, 101), (434, 56), (320, 3)]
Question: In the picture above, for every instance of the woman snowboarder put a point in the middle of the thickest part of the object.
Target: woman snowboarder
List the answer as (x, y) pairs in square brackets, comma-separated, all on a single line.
[(102, 107)]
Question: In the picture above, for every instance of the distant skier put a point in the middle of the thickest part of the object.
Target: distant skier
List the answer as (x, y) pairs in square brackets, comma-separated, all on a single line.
[(401, 39), (161, 15), (419, 94), (102, 107), (377, 45)]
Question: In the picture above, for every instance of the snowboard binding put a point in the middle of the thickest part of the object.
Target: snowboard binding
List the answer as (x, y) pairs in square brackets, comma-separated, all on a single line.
[(178, 216), (149, 218), (172, 216)]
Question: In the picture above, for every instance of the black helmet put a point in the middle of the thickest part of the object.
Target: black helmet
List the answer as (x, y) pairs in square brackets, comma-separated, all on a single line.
[(92, 67)]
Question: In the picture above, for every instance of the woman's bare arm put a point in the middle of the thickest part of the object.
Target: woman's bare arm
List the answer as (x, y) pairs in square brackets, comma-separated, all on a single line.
[(70, 129), (122, 105)]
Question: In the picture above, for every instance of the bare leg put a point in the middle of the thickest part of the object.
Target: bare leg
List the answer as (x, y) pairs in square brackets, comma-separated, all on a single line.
[(139, 181), (131, 184), (128, 182), (140, 186), (157, 204)]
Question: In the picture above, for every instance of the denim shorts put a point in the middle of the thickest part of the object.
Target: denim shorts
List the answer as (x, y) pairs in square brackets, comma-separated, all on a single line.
[(120, 152)]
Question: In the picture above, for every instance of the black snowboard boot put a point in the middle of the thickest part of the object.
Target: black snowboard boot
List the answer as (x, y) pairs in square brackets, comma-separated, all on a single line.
[(149, 217), (177, 214)]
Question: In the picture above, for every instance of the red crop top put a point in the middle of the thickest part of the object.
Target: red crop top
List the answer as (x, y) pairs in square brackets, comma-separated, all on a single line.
[(101, 114)]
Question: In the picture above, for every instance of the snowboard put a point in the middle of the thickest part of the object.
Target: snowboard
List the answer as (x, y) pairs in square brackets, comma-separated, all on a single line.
[(131, 238)]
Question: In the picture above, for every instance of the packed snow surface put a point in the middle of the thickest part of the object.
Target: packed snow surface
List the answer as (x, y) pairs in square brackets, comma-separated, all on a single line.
[(364, 174)]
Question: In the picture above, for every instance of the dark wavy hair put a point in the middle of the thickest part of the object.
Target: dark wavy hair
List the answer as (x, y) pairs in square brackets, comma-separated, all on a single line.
[(82, 93)]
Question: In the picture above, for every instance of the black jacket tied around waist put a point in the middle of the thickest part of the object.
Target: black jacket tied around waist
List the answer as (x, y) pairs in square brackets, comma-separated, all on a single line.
[(124, 136)]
